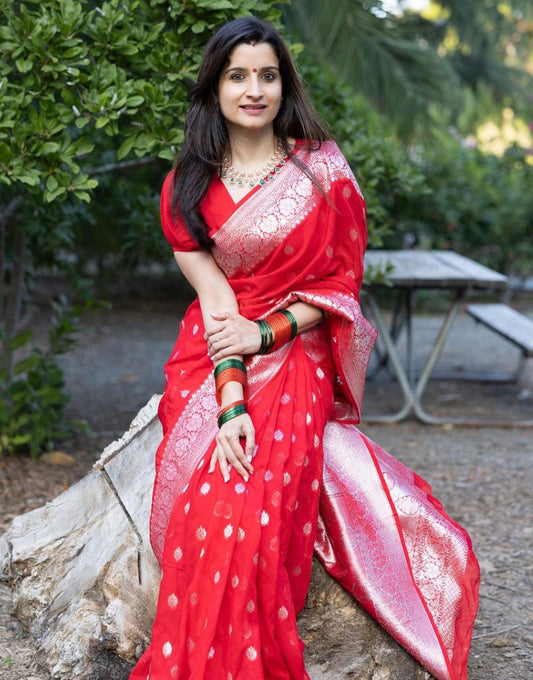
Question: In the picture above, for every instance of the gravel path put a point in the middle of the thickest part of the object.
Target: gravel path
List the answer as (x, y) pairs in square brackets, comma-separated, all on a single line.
[(482, 475)]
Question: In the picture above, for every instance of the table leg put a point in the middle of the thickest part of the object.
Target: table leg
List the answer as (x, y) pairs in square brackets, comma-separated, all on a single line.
[(392, 354), (420, 387), (412, 389)]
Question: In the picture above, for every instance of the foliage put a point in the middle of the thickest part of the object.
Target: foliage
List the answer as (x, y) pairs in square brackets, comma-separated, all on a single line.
[(86, 89), (488, 43), (382, 166), (410, 65), (31, 389), (447, 194), (374, 52), (123, 67), (477, 203)]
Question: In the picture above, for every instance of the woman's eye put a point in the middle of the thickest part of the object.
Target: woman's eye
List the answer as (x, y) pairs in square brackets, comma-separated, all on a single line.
[(237, 76), (269, 76)]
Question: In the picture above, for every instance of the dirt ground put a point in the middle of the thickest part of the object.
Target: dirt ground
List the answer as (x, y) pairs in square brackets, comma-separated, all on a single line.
[(483, 475)]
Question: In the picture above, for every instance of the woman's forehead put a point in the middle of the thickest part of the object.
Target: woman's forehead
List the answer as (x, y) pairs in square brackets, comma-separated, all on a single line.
[(252, 54)]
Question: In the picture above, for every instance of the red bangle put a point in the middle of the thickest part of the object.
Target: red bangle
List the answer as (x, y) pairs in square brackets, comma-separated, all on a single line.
[(281, 329), (230, 375)]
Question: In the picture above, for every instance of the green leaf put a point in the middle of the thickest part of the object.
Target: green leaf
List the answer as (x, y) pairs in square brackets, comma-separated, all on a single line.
[(48, 147), (24, 65), (28, 364), (83, 147), (136, 100), (167, 154), (50, 196), (31, 179), (21, 339), (51, 183), (125, 147)]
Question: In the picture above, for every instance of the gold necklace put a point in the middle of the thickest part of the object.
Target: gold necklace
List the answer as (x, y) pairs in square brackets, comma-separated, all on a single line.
[(266, 173)]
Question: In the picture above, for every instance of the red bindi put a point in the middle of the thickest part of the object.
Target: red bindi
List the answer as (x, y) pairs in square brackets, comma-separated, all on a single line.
[(254, 70)]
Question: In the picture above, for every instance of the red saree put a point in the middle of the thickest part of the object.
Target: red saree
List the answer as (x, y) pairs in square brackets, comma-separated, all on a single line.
[(236, 557)]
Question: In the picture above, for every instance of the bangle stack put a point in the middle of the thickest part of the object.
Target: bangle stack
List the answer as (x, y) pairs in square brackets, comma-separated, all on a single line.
[(235, 409), (276, 330), (230, 370)]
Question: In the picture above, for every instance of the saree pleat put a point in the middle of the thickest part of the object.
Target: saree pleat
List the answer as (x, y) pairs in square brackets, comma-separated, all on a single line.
[(236, 557)]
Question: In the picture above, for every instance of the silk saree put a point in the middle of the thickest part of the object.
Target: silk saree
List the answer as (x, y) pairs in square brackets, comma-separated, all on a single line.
[(236, 557)]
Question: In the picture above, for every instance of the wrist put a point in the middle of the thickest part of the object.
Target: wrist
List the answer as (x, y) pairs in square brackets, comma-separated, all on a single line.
[(232, 391), (231, 383), (276, 330)]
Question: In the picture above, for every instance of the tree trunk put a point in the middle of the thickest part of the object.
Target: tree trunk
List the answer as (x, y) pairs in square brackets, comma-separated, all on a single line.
[(86, 581)]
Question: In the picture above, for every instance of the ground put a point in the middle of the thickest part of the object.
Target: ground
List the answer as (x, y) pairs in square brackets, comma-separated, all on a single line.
[(482, 475)]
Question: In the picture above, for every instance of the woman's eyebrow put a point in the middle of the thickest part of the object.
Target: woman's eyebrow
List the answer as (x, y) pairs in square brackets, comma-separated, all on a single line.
[(244, 68)]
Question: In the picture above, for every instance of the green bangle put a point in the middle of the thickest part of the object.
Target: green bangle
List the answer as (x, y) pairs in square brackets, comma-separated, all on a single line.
[(231, 413), (229, 363), (267, 337), (290, 316)]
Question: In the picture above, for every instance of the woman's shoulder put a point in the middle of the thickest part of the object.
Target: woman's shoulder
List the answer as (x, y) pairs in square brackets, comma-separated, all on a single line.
[(326, 161), (173, 226)]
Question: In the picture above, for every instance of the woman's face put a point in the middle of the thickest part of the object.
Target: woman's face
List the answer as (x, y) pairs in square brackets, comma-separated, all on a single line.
[(250, 88)]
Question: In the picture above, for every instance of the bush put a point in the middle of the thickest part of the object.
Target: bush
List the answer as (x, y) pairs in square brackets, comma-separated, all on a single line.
[(478, 204), (32, 393)]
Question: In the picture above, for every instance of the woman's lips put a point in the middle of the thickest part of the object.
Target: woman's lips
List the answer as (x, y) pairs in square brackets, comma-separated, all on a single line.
[(258, 108)]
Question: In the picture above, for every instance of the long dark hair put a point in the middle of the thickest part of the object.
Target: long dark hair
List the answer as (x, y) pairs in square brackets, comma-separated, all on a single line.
[(206, 134)]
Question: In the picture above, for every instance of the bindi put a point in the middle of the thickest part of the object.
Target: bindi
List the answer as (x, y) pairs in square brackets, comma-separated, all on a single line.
[(254, 70)]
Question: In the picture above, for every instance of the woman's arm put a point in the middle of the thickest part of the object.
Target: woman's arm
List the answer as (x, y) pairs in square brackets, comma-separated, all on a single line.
[(234, 333), (216, 295)]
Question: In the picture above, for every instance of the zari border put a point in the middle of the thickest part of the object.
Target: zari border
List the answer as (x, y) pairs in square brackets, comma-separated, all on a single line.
[(265, 220), (183, 449)]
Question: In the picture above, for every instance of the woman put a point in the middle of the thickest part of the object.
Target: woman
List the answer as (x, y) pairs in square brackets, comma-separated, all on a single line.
[(268, 225)]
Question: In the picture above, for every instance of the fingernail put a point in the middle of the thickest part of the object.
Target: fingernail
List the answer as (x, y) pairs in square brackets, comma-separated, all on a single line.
[(245, 478), (226, 479)]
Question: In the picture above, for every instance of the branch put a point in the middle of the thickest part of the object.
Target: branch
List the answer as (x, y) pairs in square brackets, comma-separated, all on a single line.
[(17, 284), (123, 165), (4, 219), (10, 209)]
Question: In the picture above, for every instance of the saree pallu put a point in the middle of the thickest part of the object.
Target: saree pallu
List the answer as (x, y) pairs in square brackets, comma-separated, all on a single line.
[(236, 557)]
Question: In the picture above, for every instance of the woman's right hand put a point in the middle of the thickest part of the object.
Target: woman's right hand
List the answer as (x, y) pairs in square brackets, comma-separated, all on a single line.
[(229, 451), (232, 334)]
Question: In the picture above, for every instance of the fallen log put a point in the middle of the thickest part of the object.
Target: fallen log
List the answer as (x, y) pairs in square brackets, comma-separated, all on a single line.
[(85, 580)]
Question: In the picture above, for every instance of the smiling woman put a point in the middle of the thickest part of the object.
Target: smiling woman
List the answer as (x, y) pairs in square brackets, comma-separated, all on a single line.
[(250, 88), (249, 96), (267, 222)]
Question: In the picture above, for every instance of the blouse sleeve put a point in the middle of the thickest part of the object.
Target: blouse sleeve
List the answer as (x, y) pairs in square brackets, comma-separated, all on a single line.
[(174, 229)]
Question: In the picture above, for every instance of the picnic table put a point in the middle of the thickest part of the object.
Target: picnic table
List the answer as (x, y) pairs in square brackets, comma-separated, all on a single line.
[(407, 272)]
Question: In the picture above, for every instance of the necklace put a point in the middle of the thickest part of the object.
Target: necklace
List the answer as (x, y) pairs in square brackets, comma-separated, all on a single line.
[(266, 173)]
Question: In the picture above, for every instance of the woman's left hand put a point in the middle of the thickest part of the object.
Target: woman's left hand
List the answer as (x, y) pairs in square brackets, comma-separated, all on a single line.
[(232, 334)]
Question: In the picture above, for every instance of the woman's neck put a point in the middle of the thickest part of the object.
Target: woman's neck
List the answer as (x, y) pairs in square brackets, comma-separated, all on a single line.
[(249, 150)]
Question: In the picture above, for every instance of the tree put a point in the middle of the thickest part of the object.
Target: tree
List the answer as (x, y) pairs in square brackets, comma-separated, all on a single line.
[(377, 55), (85, 88), (410, 64)]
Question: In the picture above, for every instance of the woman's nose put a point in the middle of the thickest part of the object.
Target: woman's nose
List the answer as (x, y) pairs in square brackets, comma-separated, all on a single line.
[(254, 87)]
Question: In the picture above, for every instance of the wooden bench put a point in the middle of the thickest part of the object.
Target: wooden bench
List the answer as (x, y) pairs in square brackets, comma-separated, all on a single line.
[(507, 322)]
